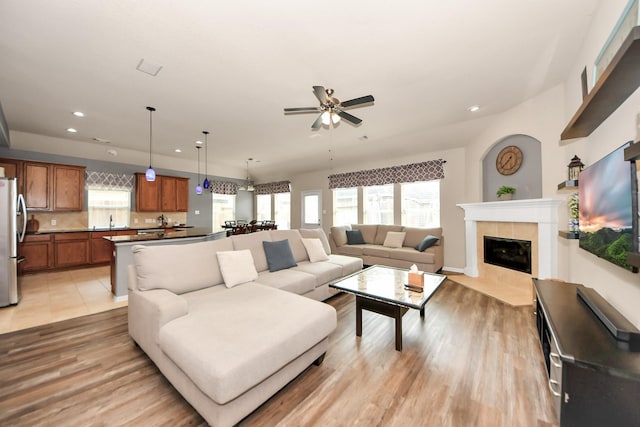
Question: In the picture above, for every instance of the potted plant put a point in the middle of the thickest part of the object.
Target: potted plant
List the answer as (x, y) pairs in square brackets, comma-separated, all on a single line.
[(505, 192)]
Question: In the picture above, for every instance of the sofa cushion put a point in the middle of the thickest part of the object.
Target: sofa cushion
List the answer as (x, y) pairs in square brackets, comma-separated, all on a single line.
[(318, 233), (368, 232), (415, 235), (294, 237), (426, 243), (352, 250), (279, 255), (315, 250), (381, 233), (243, 337), (236, 267), (289, 280), (354, 237), (253, 242), (348, 264), (376, 250), (324, 272), (411, 255), (179, 268), (394, 239), (339, 235)]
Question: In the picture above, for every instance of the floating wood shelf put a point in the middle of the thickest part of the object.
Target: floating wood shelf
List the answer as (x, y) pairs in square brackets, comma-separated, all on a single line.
[(572, 183), (620, 79), (632, 152), (570, 235), (633, 259)]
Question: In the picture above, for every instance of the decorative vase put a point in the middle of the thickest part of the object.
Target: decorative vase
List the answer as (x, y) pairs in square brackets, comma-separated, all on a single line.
[(505, 196)]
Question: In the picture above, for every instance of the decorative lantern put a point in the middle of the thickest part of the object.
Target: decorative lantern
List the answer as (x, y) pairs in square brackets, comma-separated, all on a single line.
[(575, 167)]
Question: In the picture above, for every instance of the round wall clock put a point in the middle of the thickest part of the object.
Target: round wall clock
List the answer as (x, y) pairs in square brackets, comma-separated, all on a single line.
[(509, 160)]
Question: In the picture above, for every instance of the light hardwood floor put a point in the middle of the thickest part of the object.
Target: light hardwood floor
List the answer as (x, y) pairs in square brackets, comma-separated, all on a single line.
[(472, 361), (60, 295)]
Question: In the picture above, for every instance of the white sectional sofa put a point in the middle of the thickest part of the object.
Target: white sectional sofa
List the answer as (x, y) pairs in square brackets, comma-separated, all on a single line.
[(225, 346), (400, 253)]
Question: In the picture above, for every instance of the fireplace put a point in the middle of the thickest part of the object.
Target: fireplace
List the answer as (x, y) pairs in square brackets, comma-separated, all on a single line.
[(508, 253)]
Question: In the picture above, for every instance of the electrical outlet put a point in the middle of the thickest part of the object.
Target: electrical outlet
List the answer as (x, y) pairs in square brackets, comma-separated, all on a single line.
[(54, 222), (148, 221), (135, 220), (197, 212)]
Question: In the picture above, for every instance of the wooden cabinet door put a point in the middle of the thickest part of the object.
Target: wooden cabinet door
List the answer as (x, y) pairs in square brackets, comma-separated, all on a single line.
[(37, 185), (182, 194), (37, 251), (147, 194), (68, 188), (168, 193), (11, 167), (101, 248), (71, 249)]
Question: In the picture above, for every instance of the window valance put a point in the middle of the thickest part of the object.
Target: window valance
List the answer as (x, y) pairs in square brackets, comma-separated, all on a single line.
[(273, 187), (108, 181), (224, 187), (423, 171)]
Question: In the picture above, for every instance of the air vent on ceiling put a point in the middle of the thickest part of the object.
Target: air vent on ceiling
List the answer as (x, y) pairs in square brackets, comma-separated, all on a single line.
[(101, 140), (148, 67)]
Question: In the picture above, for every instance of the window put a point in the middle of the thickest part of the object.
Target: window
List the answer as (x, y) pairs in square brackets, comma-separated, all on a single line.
[(282, 210), (224, 209), (421, 204), (378, 204), (263, 207), (108, 208), (345, 206)]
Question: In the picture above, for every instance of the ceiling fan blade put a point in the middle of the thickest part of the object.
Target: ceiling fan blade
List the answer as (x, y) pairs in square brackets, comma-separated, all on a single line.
[(320, 93), (318, 123), (302, 110), (357, 101), (348, 117)]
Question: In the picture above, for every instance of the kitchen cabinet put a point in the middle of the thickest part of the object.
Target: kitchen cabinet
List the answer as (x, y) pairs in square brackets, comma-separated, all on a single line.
[(12, 169), (37, 250), (165, 194), (53, 187), (71, 249), (101, 249)]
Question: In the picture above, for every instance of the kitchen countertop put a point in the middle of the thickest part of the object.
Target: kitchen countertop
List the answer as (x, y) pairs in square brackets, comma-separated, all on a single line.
[(191, 232), (85, 230)]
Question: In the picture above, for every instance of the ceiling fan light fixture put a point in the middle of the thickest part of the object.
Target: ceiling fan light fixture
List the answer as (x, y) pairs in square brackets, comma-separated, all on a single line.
[(326, 118), (335, 118)]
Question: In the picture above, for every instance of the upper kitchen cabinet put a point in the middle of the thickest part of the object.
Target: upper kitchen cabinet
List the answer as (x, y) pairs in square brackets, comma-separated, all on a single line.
[(165, 194), (12, 168), (53, 187)]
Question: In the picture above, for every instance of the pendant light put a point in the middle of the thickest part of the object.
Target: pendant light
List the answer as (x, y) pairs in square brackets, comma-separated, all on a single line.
[(150, 175), (249, 184), (198, 186), (206, 184)]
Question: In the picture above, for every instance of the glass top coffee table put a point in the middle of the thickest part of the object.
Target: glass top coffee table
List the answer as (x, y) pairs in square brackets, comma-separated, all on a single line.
[(382, 290)]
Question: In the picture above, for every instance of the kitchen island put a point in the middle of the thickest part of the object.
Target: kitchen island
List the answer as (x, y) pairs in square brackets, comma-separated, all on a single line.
[(122, 257)]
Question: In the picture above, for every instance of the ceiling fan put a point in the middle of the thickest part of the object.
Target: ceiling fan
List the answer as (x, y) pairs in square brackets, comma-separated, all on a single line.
[(331, 109)]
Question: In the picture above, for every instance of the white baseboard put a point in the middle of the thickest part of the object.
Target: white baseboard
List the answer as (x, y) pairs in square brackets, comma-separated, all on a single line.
[(120, 298), (453, 269)]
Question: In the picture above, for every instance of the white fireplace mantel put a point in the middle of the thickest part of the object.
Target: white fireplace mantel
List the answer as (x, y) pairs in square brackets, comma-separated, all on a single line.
[(543, 212)]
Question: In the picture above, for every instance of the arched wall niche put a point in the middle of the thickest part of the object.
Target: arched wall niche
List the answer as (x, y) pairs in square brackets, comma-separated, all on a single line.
[(527, 180)]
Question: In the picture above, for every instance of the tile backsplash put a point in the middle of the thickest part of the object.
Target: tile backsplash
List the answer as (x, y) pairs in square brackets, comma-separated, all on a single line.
[(63, 221)]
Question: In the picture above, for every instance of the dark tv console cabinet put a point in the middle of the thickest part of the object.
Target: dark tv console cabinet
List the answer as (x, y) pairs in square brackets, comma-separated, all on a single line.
[(594, 376)]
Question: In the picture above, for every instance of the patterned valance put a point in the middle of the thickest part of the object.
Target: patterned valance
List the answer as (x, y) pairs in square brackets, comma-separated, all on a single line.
[(273, 187), (222, 187), (108, 181), (424, 171)]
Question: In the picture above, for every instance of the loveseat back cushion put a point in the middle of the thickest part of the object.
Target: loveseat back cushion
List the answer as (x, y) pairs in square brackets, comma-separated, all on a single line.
[(295, 242), (317, 233), (279, 255), (236, 267), (339, 234), (415, 235), (368, 232), (179, 268), (253, 242), (381, 233)]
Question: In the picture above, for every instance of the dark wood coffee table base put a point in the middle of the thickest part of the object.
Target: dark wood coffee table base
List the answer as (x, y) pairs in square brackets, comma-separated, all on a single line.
[(386, 309)]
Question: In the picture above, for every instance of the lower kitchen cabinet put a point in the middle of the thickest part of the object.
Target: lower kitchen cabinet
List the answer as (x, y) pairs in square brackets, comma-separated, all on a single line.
[(37, 251), (71, 249)]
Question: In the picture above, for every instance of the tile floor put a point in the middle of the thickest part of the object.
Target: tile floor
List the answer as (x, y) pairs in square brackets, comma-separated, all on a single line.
[(53, 296)]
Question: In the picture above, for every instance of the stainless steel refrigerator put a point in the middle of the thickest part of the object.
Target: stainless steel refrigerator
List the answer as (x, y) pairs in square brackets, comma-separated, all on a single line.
[(13, 224)]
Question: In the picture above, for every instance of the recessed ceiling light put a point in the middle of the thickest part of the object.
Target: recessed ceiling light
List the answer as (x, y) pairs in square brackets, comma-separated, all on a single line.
[(177, 150), (72, 130), (473, 108), (112, 152), (199, 142), (78, 113)]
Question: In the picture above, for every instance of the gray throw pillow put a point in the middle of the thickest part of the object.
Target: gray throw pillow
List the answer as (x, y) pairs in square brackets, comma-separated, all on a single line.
[(279, 255), (354, 237), (426, 243)]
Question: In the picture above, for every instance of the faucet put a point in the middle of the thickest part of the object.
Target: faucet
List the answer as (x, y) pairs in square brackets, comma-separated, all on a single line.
[(110, 221), (163, 220)]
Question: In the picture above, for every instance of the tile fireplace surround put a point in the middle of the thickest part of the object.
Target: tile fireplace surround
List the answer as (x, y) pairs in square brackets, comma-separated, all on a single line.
[(541, 212)]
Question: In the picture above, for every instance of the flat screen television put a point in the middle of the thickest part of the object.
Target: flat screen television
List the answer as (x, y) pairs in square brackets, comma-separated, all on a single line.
[(608, 208)]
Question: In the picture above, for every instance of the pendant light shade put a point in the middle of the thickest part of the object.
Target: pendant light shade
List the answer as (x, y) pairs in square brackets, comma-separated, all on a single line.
[(150, 175), (206, 183), (198, 186)]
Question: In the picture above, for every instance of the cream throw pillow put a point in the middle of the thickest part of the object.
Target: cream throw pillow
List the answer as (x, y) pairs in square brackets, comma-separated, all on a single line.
[(315, 250), (394, 239), (236, 267)]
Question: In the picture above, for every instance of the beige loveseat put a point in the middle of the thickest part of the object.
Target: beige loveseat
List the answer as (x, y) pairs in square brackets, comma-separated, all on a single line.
[(228, 349), (373, 251)]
